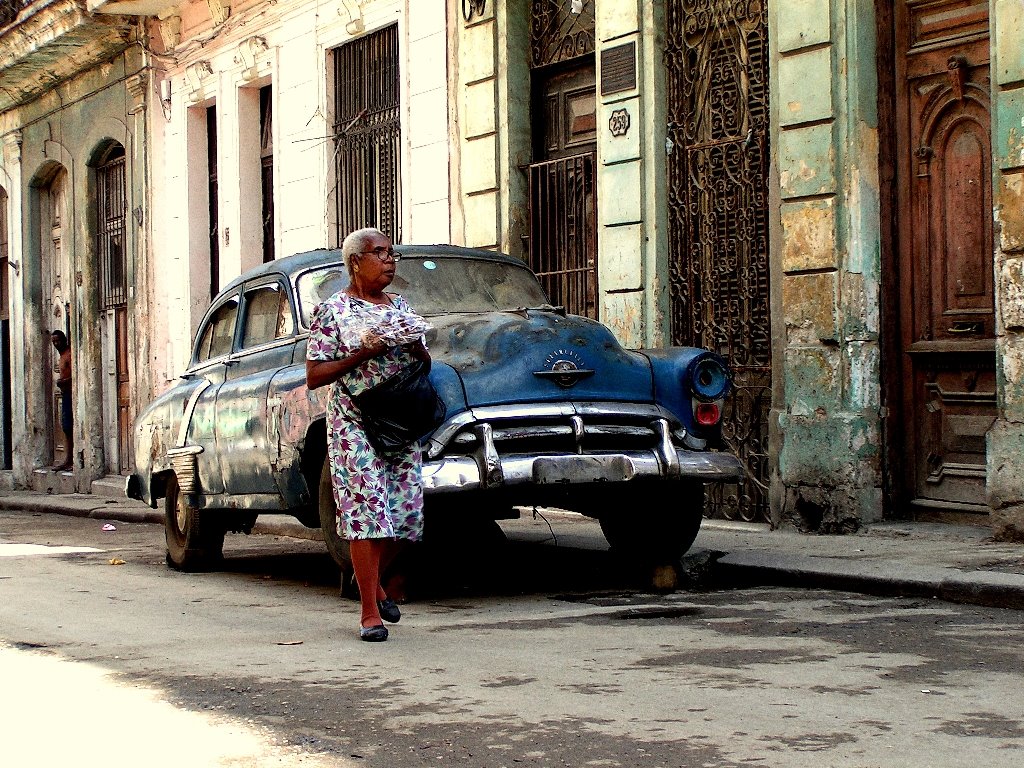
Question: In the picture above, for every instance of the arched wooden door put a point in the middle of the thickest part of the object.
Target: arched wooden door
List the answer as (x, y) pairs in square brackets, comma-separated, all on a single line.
[(945, 252)]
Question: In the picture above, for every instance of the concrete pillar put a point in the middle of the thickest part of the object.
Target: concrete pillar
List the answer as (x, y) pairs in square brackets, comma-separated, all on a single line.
[(825, 423)]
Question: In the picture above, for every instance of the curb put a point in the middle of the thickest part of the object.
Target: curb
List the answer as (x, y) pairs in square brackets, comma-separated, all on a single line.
[(722, 569), (991, 589)]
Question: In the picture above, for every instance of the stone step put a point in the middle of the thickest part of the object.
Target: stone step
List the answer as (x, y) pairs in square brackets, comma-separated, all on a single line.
[(109, 486)]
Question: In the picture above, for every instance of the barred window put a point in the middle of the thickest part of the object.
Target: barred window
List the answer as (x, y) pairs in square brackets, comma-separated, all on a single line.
[(367, 134), (110, 229)]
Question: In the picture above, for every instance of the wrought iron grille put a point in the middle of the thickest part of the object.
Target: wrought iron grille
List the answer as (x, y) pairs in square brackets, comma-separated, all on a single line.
[(110, 232), (367, 134), (562, 231), (560, 30), (717, 62), (9, 10)]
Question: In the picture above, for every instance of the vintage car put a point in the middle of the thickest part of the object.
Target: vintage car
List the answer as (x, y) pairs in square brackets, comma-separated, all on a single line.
[(543, 409)]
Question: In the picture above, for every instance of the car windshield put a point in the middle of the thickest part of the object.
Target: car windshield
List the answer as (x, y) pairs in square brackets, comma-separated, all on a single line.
[(437, 286)]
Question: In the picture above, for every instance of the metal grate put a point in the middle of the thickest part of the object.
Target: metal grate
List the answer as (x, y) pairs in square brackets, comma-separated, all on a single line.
[(110, 232), (560, 30), (717, 61), (367, 134), (562, 232)]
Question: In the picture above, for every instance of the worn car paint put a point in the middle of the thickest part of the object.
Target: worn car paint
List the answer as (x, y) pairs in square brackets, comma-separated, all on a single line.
[(538, 402)]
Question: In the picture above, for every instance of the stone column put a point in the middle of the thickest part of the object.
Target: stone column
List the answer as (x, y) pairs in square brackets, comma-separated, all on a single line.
[(825, 425)]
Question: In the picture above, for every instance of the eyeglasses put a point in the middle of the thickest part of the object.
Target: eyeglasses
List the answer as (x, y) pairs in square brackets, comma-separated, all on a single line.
[(384, 253)]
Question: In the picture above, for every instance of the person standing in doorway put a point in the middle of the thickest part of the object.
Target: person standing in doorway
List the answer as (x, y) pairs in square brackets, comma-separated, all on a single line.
[(60, 343)]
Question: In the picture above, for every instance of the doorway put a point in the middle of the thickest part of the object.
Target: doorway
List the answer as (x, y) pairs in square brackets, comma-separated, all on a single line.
[(111, 252), (944, 255), (562, 246), (56, 294)]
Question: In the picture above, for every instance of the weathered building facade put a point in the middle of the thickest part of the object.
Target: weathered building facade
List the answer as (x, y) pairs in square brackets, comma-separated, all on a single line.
[(73, 125), (826, 191)]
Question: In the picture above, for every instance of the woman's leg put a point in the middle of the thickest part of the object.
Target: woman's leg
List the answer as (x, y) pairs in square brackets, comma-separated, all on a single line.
[(366, 559), (391, 549)]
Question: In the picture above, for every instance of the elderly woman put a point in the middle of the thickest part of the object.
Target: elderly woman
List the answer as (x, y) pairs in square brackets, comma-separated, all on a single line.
[(379, 496)]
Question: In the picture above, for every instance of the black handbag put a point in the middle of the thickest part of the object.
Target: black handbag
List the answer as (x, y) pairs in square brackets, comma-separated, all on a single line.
[(399, 411)]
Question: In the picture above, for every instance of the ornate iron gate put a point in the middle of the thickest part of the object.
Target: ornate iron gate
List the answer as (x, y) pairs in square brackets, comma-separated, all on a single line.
[(717, 62)]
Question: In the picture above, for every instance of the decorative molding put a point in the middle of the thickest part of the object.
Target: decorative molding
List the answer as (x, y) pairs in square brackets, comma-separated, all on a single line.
[(195, 74), (249, 51), (12, 146), (136, 88), (219, 10), (354, 9), (170, 32)]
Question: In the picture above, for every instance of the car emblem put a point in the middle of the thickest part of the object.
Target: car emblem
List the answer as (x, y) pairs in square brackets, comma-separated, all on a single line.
[(564, 366)]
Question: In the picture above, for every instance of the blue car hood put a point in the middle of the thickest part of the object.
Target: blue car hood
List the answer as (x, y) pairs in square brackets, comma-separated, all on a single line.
[(537, 356)]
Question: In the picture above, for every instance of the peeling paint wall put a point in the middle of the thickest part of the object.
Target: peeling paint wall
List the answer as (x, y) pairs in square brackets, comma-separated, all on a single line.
[(1005, 442), (826, 272), (66, 128)]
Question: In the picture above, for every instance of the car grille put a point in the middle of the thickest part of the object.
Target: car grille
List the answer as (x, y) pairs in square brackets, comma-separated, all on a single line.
[(554, 428)]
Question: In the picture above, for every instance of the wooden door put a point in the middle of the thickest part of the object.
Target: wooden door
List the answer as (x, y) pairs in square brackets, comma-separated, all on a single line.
[(945, 251), (124, 419), (56, 292)]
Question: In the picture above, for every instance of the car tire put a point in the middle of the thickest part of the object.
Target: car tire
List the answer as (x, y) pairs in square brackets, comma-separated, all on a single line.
[(195, 542), (336, 546), (654, 535)]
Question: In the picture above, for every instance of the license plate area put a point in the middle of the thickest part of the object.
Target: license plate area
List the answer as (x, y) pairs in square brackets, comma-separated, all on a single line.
[(582, 469)]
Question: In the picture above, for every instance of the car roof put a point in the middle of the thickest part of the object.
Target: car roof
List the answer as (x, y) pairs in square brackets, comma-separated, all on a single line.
[(299, 262)]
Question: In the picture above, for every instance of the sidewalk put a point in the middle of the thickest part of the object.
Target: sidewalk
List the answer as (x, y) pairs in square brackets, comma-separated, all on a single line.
[(949, 562)]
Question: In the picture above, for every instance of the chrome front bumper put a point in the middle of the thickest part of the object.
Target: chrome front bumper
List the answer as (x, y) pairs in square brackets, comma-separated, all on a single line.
[(472, 472)]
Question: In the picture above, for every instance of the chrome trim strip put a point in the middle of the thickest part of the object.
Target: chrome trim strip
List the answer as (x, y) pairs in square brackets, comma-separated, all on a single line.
[(190, 407), (464, 472)]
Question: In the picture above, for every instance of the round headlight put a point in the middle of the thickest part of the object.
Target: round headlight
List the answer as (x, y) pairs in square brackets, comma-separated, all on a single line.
[(709, 379)]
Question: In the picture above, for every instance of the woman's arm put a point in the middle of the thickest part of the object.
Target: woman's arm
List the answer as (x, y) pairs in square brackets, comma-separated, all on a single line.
[(322, 372)]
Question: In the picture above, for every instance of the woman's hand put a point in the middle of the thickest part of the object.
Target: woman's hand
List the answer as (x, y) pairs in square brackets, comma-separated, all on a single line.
[(322, 372), (418, 350)]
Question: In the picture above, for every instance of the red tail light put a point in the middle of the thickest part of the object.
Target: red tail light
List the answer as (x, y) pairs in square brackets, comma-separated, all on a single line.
[(707, 414)]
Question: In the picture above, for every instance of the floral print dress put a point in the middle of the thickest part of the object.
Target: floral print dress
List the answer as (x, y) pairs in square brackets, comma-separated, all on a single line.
[(376, 495)]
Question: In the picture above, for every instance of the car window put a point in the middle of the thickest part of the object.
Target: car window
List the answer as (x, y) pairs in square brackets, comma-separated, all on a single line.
[(268, 315), (437, 286), (317, 285), (219, 332)]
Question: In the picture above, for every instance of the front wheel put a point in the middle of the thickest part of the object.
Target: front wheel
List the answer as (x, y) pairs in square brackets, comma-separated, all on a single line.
[(195, 542), (655, 532)]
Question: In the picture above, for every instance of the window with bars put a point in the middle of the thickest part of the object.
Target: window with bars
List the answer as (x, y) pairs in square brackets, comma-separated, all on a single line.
[(267, 171), (110, 229), (367, 134)]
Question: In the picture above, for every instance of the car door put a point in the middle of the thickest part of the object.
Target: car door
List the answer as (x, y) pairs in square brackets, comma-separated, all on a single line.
[(213, 347), (266, 342)]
